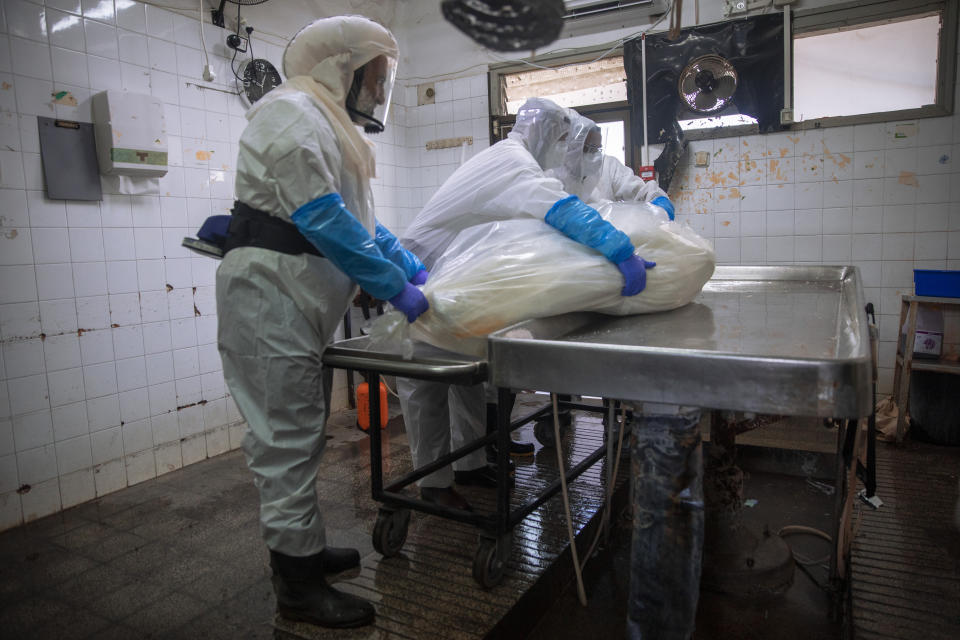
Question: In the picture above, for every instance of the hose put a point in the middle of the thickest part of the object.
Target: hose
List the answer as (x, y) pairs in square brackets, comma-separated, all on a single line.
[(581, 592), (795, 529)]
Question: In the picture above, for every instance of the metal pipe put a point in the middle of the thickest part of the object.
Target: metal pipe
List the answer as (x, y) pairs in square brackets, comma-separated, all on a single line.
[(517, 516), (787, 66), (643, 72), (376, 452)]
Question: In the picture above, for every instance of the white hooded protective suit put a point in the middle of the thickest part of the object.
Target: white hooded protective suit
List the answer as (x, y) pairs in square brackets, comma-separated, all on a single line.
[(505, 181), (277, 312), (502, 182), (580, 170), (619, 183)]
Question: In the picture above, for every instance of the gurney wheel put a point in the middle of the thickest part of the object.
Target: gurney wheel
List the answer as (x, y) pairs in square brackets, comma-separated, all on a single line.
[(390, 531), (543, 429), (487, 567), (543, 432)]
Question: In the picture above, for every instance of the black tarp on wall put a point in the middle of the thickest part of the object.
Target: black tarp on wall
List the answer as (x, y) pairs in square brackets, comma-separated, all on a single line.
[(754, 46)]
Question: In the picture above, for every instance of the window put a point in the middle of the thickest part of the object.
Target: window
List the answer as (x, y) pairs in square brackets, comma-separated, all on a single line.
[(885, 67), (865, 61), (596, 82)]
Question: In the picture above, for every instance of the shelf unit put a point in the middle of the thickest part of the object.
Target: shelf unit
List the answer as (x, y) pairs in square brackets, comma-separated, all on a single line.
[(909, 306)]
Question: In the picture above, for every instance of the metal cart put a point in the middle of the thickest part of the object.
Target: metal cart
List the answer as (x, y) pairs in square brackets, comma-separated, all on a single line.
[(790, 340)]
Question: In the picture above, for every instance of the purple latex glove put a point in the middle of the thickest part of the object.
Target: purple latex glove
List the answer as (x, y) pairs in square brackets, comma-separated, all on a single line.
[(410, 301), (634, 270), (420, 277)]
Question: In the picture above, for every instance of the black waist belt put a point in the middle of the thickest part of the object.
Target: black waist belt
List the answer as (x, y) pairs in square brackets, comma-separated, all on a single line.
[(251, 227)]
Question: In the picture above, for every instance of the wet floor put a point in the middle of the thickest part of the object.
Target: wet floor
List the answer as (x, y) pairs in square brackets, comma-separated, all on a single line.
[(181, 557)]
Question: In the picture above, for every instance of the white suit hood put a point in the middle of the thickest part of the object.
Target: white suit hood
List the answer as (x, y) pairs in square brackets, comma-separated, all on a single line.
[(329, 50), (540, 125)]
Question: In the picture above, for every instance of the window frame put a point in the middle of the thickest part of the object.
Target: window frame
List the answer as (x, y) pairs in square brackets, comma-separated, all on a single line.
[(607, 111), (849, 16), (497, 103)]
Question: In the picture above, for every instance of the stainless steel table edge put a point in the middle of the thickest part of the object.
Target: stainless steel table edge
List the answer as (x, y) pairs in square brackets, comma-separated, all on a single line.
[(831, 388), (436, 365)]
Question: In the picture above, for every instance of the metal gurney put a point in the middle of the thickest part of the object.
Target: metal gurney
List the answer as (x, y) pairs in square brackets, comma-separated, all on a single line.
[(790, 340)]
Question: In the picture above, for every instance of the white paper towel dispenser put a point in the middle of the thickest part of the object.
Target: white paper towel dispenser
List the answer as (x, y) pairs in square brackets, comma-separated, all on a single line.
[(131, 134)]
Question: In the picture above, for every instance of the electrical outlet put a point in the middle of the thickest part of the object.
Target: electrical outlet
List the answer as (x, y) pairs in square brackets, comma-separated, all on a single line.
[(701, 159), (734, 7), (786, 116)]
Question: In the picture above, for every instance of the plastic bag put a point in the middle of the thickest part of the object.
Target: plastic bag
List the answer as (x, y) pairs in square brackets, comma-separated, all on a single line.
[(499, 273)]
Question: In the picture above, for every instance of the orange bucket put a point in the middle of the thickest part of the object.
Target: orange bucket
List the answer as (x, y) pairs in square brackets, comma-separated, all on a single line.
[(363, 406)]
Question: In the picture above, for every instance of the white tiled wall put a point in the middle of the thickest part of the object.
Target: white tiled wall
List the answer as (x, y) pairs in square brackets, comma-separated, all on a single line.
[(883, 197), (409, 173), (109, 373)]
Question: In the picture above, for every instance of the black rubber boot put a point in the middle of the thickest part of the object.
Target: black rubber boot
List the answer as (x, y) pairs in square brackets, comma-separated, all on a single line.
[(337, 560), (519, 449), (304, 595)]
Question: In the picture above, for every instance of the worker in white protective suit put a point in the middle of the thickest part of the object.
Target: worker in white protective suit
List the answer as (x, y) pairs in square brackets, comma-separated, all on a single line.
[(302, 236), (506, 181)]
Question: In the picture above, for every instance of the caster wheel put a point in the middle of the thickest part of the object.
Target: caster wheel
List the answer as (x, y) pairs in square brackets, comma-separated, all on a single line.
[(390, 531), (543, 429), (487, 568), (543, 432)]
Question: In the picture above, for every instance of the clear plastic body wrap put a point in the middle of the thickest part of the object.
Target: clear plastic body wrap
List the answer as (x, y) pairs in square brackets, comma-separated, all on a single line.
[(499, 273)]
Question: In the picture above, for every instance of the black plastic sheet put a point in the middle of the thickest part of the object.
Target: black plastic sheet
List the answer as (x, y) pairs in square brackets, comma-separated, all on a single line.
[(754, 46)]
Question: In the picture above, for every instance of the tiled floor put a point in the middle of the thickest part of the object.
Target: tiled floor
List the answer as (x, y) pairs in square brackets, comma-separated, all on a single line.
[(181, 556), (906, 556)]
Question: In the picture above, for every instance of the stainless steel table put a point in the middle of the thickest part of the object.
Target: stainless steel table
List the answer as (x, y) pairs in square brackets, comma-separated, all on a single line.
[(790, 340), (786, 340)]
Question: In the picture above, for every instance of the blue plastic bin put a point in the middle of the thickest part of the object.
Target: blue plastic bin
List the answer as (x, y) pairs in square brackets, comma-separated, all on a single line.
[(936, 283)]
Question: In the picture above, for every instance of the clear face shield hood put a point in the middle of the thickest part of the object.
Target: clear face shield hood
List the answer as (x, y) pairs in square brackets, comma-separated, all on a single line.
[(543, 126), (583, 158), (368, 100)]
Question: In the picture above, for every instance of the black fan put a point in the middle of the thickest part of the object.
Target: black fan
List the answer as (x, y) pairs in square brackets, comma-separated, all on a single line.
[(711, 70), (507, 25), (707, 84)]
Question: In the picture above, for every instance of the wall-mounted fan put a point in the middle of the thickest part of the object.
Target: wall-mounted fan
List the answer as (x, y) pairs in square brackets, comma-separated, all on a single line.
[(707, 84), (713, 70)]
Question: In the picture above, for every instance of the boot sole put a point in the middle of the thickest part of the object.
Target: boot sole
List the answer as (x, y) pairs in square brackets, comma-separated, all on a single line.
[(295, 616)]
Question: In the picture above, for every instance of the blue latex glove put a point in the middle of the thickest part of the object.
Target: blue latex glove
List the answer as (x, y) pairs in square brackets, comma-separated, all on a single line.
[(420, 277), (393, 251), (582, 223), (329, 225), (634, 270), (410, 301), (665, 204)]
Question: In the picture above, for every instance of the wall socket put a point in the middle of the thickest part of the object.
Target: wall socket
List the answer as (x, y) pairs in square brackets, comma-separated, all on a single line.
[(701, 159), (426, 94), (734, 7)]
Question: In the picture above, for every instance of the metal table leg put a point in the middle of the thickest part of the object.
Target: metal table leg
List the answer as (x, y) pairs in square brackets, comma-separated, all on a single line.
[(735, 559)]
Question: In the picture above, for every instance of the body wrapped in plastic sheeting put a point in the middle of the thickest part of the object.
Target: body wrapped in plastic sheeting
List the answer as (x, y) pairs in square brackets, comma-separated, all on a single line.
[(499, 273)]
